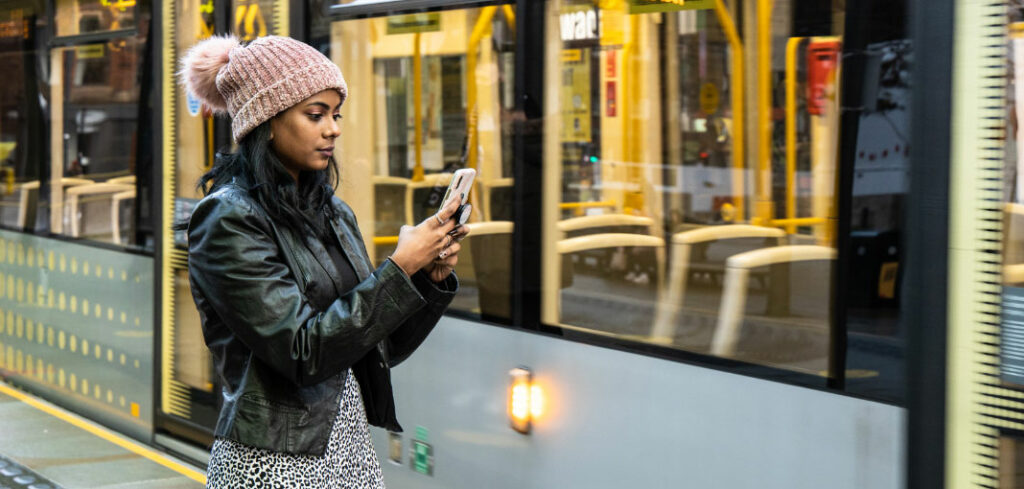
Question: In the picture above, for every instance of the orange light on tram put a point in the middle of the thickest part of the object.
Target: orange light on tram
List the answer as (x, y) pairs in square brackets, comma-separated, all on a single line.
[(525, 400)]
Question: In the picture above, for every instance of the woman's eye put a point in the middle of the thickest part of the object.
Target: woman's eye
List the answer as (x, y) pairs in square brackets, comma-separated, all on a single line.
[(316, 117), (337, 117)]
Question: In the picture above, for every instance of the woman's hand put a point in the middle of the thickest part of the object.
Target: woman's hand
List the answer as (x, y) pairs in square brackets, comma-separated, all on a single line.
[(442, 266), (433, 239)]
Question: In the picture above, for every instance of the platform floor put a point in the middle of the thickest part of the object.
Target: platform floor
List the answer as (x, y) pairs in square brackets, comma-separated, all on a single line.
[(62, 450)]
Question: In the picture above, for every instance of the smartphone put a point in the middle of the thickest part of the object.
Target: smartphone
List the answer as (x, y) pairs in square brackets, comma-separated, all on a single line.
[(459, 187)]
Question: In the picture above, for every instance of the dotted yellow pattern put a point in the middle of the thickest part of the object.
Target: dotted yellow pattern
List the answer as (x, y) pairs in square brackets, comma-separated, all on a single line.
[(15, 360), (30, 347)]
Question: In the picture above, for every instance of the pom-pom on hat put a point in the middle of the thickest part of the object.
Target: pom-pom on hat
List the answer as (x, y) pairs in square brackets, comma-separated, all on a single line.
[(255, 82)]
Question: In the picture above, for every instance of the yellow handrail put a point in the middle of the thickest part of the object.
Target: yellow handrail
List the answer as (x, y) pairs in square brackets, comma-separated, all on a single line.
[(417, 103), (736, 92), (762, 178), (798, 221), (385, 240), (510, 16), (584, 205), (791, 49), (482, 27)]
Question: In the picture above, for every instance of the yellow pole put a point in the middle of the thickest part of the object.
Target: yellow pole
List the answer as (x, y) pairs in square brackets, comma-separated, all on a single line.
[(482, 28), (736, 90), (626, 104), (510, 16), (791, 50), (417, 104), (762, 178)]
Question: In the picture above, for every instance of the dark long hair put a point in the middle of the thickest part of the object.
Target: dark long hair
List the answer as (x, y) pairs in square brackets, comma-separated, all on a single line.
[(302, 207)]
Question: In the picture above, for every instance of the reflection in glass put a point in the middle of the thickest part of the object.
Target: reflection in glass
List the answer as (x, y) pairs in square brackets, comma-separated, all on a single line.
[(76, 17), (22, 121), (690, 184), (429, 94)]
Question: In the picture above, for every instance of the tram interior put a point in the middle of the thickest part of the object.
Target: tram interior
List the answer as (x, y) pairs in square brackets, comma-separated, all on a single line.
[(668, 218)]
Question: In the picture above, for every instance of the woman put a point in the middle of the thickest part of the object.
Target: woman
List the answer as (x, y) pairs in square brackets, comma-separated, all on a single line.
[(301, 327)]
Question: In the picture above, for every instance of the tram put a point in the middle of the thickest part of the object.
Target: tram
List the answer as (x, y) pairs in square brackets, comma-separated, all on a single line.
[(719, 242)]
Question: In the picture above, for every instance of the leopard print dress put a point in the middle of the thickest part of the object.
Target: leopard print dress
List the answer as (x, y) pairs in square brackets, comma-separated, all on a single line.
[(348, 463)]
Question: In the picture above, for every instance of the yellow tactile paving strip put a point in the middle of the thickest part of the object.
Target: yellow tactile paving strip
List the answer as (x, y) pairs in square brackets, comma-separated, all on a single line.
[(75, 452)]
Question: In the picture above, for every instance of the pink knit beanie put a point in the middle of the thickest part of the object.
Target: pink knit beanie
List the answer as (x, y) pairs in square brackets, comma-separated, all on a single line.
[(255, 82)]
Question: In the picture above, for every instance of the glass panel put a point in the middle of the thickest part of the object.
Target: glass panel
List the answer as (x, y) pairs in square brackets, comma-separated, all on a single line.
[(690, 167), (95, 130), (76, 17), (22, 121), (429, 94), (191, 380)]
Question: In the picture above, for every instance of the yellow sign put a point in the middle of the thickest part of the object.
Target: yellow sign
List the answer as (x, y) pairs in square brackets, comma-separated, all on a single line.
[(709, 98), (576, 100), (121, 5), (887, 280), (571, 55), (650, 6), (90, 51), (405, 24)]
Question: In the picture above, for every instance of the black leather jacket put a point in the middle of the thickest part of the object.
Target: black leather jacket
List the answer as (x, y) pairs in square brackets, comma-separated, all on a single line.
[(281, 333)]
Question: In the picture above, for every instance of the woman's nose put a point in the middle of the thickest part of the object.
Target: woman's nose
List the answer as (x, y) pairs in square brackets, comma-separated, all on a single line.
[(333, 130)]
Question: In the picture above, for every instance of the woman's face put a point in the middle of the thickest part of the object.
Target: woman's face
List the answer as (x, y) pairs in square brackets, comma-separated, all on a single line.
[(303, 136)]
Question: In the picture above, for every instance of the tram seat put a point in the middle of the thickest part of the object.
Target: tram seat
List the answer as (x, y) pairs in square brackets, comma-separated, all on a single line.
[(734, 296), (418, 202), (74, 197), (389, 204), (487, 269), (684, 263), (593, 313), (115, 212), (496, 198), (127, 179), (26, 206), (574, 227)]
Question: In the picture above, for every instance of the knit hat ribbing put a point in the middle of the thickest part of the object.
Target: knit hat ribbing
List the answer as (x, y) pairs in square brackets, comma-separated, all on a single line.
[(256, 82)]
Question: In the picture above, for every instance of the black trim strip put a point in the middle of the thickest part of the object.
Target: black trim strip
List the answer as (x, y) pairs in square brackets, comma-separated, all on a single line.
[(379, 8), (927, 242), (92, 38), (528, 146)]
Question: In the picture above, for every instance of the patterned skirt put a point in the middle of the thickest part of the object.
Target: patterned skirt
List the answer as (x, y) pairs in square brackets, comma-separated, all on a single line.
[(348, 463)]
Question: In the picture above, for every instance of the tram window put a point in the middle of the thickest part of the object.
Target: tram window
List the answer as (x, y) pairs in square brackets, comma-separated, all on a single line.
[(428, 94), (76, 17), (22, 120), (669, 217), (95, 127)]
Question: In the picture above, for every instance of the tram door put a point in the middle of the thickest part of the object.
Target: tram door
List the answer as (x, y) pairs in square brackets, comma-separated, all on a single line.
[(189, 394)]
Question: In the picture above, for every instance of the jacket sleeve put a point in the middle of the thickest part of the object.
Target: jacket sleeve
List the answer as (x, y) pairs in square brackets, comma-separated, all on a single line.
[(404, 340), (238, 268)]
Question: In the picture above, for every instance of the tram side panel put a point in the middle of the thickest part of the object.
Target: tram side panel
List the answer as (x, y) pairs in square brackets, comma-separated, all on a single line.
[(76, 328), (616, 419)]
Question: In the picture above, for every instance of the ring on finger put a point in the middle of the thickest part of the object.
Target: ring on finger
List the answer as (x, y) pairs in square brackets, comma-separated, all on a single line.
[(439, 221)]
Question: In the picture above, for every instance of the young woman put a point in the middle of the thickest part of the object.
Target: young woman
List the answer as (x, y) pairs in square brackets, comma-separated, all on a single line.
[(302, 329)]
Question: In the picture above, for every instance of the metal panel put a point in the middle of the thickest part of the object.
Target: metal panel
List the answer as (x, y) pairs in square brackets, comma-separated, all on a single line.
[(77, 328), (616, 419)]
